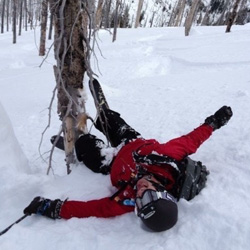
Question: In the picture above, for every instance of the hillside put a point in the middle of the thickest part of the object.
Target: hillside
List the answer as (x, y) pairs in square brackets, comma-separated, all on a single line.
[(164, 85)]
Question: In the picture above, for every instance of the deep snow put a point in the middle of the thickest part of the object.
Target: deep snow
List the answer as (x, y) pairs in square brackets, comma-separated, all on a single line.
[(164, 84)]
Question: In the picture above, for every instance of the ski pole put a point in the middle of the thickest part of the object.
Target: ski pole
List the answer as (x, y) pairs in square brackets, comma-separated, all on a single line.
[(9, 227)]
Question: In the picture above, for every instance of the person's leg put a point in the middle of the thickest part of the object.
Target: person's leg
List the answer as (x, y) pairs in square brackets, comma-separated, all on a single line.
[(115, 128), (88, 150)]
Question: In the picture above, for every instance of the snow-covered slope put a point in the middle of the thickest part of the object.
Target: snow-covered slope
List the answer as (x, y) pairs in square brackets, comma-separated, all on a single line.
[(164, 84)]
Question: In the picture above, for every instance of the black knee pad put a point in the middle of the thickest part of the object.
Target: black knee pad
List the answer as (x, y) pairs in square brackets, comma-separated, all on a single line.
[(88, 150)]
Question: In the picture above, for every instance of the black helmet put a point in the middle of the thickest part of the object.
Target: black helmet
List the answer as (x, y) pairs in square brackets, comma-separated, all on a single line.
[(157, 210)]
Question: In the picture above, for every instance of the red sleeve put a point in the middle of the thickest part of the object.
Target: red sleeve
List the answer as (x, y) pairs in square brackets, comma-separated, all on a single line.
[(188, 144), (99, 208)]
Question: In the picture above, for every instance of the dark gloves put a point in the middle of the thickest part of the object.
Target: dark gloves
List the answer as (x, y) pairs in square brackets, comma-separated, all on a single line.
[(220, 118), (44, 207)]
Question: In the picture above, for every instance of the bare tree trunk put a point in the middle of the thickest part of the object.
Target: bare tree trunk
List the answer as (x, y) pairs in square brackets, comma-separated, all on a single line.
[(190, 17), (98, 17), (107, 13), (171, 19), (138, 14), (31, 15), (26, 15), (14, 20), (177, 13), (51, 20), (20, 17), (85, 22), (3, 13), (91, 11), (180, 14), (44, 17), (182, 11), (7, 15), (152, 19), (116, 20), (70, 69), (124, 16), (232, 16)]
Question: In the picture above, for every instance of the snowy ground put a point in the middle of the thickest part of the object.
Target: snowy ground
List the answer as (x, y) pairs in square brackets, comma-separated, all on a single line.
[(164, 84)]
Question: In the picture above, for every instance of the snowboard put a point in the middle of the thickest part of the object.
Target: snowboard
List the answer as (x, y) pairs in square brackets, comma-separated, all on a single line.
[(98, 95), (60, 143)]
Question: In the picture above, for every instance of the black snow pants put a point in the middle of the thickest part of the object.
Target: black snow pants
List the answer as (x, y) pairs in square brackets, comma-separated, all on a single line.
[(89, 148)]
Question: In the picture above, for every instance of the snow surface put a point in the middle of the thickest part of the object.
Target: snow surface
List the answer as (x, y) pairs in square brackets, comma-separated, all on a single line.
[(164, 84)]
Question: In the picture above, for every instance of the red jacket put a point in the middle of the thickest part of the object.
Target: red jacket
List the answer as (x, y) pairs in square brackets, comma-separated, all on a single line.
[(124, 167)]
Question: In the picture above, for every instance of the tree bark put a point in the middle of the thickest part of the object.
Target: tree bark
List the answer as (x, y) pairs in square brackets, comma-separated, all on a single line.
[(7, 15), (138, 14), (2, 18), (26, 15), (180, 14), (116, 20), (177, 13), (232, 16), (51, 20), (14, 20), (171, 19), (107, 13), (20, 17), (30, 14), (44, 18), (98, 16), (70, 69), (190, 17)]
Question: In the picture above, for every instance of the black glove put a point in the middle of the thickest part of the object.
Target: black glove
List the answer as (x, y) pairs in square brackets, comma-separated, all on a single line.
[(44, 207), (220, 117)]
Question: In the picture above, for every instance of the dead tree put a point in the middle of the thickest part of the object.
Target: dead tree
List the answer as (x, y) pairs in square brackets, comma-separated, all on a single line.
[(138, 14), (26, 15), (116, 20), (30, 12), (98, 15), (172, 16), (191, 16), (180, 13), (14, 16), (20, 17), (177, 13), (7, 15), (232, 16), (2, 18), (69, 69), (44, 18), (107, 13), (51, 21)]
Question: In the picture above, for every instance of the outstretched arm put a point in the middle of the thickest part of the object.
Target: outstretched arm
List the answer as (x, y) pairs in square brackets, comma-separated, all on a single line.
[(188, 144), (103, 208), (56, 209)]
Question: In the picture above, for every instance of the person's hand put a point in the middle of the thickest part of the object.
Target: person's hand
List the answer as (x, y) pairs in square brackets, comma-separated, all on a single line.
[(35, 206), (220, 117), (46, 207)]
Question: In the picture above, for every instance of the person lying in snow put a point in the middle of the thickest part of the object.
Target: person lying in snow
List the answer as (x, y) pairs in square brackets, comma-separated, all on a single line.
[(145, 172)]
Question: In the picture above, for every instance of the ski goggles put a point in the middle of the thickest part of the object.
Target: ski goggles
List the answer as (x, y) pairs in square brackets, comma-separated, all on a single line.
[(150, 195)]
